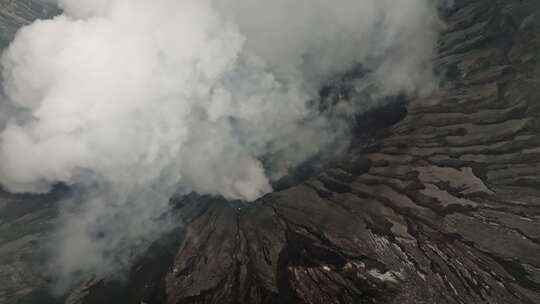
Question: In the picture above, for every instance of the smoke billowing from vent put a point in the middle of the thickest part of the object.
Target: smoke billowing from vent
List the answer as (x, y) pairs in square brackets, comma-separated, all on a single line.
[(130, 101)]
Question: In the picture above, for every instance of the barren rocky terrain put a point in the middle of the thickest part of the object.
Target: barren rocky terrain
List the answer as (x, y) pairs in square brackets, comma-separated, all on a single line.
[(441, 207)]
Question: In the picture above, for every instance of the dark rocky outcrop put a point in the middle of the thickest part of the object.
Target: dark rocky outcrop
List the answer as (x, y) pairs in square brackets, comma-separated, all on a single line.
[(443, 207)]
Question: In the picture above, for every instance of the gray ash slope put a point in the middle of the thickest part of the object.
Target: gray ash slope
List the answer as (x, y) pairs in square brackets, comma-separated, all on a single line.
[(443, 207)]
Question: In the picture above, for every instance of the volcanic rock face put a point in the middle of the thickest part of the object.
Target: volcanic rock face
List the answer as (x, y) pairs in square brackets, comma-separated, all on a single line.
[(442, 208)]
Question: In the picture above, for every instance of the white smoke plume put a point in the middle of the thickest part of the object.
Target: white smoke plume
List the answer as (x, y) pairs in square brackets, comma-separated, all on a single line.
[(130, 101)]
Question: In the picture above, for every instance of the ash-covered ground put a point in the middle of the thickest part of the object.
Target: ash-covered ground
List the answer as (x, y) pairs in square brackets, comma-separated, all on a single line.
[(434, 201)]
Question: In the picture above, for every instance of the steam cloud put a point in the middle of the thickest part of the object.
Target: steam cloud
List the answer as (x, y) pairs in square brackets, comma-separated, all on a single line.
[(130, 101)]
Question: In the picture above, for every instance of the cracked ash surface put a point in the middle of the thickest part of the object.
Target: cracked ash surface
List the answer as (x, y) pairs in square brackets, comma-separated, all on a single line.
[(444, 207)]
